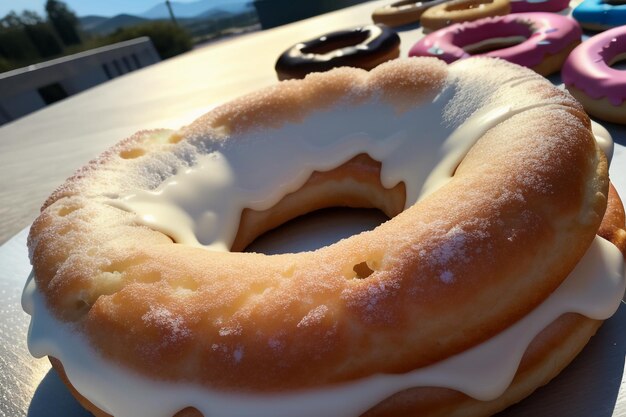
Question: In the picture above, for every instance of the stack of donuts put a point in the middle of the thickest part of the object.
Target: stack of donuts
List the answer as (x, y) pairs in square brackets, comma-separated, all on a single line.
[(526, 32)]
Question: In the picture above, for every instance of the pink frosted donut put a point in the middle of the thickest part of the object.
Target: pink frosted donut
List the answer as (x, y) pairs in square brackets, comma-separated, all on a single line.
[(523, 6), (588, 75), (540, 41)]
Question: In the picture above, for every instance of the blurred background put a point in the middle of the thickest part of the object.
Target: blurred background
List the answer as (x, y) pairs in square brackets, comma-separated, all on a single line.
[(51, 49)]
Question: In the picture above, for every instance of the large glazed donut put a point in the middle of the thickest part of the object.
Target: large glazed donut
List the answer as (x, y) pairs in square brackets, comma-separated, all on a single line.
[(540, 41), (496, 189), (588, 75), (361, 47), (457, 11)]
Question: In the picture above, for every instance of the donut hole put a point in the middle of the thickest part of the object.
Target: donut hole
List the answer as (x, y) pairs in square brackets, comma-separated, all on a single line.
[(327, 44), (493, 36), (316, 230), (618, 62), (330, 206), (362, 270), (493, 44), (132, 153), (466, 4)]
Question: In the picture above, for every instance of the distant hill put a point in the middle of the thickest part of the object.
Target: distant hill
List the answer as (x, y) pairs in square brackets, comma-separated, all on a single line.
[(196, 8), (190, 15), (216, 14), (105, 25), (91, 21)]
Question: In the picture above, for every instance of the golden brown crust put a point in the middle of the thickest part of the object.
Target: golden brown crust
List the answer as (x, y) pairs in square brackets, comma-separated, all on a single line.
[(395, 14), (456, 11), (524, 188), (553, 63), (601, 108)]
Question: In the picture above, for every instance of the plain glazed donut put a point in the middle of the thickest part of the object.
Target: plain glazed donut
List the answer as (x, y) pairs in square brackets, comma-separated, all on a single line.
[(588, 75), (540, 41), (149, 314), (600, 15), (524, 6), (456, 11), (403, 12), (362, 47)]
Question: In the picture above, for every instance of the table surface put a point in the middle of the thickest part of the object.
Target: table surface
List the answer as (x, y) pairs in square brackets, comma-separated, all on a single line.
[(39, 151)]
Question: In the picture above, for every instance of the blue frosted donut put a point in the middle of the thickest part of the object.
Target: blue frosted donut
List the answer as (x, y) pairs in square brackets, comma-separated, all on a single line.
[(600, 14)]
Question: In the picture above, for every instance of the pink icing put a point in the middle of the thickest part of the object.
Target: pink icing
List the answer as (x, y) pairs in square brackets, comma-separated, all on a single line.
[(523, 6), (587, 68), (545, 33)]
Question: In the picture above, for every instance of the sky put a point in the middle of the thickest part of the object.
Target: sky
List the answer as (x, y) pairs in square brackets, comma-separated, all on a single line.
[(84, 7)]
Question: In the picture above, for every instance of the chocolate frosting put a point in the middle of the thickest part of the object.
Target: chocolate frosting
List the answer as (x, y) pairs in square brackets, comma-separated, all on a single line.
[(351, 47)]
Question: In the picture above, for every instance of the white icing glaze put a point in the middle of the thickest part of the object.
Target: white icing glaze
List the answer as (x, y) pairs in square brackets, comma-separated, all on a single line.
[(202, 205), (594, 289), (604, 139), (494, 43)]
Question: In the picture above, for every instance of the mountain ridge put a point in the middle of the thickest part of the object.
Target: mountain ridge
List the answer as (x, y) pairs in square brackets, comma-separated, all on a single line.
[(202, 9), (195, 8)]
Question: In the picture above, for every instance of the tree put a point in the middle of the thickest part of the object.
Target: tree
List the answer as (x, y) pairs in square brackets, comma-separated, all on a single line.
[(11, 21), (168, 39), (30, 18), (41, 34), (16, 46), (64, 21)]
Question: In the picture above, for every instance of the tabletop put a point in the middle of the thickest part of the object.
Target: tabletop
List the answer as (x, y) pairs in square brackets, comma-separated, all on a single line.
[(40, 150)]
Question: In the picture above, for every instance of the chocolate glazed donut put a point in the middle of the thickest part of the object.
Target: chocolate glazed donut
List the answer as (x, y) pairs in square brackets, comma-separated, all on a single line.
[(362, 47)]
